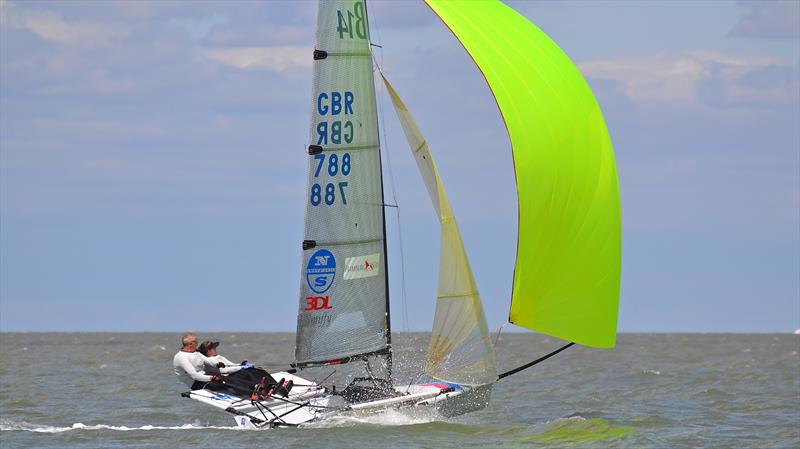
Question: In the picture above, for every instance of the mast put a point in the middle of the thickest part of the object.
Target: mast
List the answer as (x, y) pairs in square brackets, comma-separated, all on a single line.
[(385, 245)]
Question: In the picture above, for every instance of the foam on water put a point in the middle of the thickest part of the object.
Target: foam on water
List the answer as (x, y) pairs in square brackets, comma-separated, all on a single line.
[(389, 417), (39, 428)]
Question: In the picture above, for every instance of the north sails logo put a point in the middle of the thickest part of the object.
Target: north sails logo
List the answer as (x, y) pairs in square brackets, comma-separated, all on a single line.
[(320, 271), (362, 266)]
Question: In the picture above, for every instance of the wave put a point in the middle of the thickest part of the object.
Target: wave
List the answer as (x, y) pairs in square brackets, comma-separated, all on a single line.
[(577, 429), (389, 417), (7, 426)]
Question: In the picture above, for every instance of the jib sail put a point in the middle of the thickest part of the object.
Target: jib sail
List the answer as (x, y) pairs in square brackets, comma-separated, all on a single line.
[(460, 350)]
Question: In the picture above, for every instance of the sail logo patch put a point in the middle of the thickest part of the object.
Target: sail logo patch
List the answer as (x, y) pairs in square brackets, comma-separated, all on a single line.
[(362, 266), (320, 271), (317, 303)]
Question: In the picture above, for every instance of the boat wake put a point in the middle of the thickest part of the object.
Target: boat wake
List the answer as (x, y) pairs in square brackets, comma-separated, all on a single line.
[(6, 426), (389, 417)]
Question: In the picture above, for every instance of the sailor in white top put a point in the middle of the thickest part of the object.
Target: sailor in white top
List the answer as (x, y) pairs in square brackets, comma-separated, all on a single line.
[(192, 367)]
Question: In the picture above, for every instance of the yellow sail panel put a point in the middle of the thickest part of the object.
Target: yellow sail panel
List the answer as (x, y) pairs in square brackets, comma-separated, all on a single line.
[(460, 350), (567, 274)]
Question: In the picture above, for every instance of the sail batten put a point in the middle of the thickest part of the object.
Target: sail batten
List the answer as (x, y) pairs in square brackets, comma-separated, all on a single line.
[(567, 272)]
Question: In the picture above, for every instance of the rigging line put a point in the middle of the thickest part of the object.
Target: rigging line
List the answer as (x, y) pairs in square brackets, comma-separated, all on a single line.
[(528, 365), (403, 297), (402, 272), (326, 378), (380, 39), (497, 338), (414, 381), (385, 146)]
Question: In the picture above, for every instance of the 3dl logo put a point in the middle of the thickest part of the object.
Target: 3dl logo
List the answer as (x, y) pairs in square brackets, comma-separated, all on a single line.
[(317, 303)]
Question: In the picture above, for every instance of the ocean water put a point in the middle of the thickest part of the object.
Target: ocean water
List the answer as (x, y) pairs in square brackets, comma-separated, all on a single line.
[(115, 390)]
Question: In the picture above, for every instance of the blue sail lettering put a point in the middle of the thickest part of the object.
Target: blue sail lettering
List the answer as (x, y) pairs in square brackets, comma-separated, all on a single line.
[(348, 102), (322, 108), (336, 103), (333, 103), (336, 132), (322, 132), (348, 135)]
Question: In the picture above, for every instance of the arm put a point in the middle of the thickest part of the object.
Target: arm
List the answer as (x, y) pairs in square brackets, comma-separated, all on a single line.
[(185, 364), (230, 367)]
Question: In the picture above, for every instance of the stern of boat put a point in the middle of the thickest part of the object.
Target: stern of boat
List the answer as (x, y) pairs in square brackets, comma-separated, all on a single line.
[(454, 399)]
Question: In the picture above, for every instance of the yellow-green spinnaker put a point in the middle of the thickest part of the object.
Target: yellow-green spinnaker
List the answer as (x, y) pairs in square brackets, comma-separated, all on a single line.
[(567, 274)]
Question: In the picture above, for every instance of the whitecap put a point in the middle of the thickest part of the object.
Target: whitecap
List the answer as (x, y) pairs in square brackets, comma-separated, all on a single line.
[(559, 422), (388, 417), (78, 426)]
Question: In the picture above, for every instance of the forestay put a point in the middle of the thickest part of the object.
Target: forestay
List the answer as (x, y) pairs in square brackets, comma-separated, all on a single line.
[(460, 350), (343, 295), (567, 274)]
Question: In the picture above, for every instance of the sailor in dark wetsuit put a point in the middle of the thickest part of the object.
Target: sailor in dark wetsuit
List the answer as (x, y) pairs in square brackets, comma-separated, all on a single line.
[(244, 376)]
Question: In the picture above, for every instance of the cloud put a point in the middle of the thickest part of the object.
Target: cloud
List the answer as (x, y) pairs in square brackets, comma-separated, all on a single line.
[(700, 78), (238, 36), (769, 20), (767, 86), (51, 26), (197, 27), (276, 59), (400, 14)]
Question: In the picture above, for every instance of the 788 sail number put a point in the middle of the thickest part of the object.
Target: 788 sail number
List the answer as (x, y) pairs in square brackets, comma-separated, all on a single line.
[(329, 192)]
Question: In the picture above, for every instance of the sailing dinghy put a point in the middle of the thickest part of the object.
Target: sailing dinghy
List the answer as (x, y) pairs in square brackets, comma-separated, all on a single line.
[(567, 273)]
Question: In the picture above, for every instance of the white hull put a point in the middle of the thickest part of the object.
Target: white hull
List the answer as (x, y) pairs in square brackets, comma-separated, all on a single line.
[(308, 402)]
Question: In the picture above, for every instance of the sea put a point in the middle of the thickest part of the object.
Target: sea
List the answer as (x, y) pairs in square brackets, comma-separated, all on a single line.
[(118, 390)]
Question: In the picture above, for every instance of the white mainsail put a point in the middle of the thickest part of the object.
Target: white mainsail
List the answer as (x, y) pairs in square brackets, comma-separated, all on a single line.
[(343, 310), (460, 350)]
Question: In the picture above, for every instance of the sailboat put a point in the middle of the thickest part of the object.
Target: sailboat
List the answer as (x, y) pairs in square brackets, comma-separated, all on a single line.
[(567, 273)]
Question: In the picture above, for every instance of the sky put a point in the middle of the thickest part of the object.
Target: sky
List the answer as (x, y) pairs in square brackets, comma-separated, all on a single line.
[(152, 165)]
